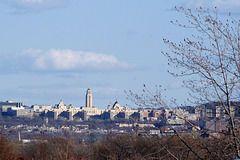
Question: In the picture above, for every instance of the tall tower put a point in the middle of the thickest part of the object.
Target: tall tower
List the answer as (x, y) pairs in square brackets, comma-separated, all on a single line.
[(89, 98)]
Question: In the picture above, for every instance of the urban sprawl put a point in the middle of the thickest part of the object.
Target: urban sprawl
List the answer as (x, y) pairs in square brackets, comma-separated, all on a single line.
[(91, 124)]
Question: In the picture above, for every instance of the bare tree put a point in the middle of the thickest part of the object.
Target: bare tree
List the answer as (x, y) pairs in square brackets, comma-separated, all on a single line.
[(210, 59), (157, 99)]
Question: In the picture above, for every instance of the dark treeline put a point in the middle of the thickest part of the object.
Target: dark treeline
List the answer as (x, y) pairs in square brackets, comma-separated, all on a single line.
[(119, 147)]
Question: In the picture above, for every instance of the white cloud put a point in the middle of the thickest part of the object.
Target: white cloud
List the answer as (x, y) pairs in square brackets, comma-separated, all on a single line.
[(227, 5), (35, 4), (56, 59), (223, 5)]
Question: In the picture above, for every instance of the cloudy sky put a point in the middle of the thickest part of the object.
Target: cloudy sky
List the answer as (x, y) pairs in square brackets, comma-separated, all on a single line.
[(56, 49)]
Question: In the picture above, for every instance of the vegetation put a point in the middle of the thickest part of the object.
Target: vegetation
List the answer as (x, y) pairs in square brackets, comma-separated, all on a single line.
[(117, 148), (210, 61)]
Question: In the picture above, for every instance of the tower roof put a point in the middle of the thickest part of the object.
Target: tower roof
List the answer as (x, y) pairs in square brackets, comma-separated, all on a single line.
[(116, 105)]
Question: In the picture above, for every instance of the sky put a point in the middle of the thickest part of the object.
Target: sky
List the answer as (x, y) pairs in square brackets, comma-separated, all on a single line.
[(52, 50)]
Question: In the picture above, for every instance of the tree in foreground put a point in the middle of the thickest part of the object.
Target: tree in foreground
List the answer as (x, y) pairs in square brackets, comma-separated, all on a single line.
[(211, 61)]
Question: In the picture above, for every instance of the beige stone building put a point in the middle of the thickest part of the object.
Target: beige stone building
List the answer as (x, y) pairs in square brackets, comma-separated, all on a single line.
[(89, 109)]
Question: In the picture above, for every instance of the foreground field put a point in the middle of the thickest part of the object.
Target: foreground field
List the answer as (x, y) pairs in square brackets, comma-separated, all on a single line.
[(117, 148)]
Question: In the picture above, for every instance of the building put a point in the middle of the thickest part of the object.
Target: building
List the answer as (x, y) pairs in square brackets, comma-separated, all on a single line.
[(20, 112), (89, 98), (89, 109), (11, 108), (4, 106), (60, 105), (61, 111), (40, 108)]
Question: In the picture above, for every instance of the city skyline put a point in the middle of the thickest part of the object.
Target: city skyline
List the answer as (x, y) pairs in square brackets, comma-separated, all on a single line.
[(57, 49)]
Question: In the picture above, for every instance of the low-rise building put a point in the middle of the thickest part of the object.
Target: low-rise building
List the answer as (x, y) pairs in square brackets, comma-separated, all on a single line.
[(9, 104)]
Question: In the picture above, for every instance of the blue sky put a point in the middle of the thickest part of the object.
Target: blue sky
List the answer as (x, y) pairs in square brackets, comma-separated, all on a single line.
[(56, 49)]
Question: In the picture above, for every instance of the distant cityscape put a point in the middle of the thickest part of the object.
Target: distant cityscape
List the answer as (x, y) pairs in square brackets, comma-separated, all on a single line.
[(61, 119)]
